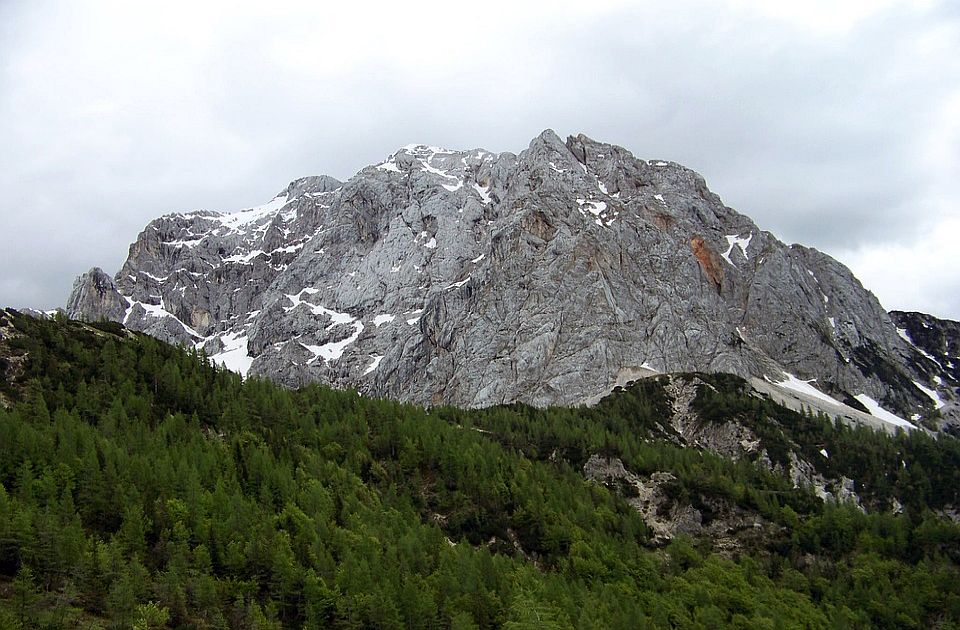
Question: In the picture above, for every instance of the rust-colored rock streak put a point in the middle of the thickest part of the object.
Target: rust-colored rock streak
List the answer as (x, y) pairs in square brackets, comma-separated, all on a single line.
[(709, 261)]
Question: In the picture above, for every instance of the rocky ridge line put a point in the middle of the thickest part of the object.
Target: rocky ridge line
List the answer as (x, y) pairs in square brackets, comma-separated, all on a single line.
[(474, 278)]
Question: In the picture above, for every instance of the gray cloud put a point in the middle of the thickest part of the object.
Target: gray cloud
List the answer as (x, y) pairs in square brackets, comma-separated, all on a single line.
[(826, 129)]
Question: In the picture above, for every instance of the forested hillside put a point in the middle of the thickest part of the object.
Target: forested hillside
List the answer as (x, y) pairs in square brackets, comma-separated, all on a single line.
[(142, 487)]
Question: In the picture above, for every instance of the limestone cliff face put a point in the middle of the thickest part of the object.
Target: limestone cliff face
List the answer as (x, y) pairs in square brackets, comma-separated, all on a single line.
[(95, 296), (937, 340), (473, 278), (937, 360)]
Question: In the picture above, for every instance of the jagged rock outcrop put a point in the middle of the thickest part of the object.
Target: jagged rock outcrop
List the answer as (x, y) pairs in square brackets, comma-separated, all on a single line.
[(473, 278), (733, 440), (938, 341), (95, 296), (730, 439), (667, 517)]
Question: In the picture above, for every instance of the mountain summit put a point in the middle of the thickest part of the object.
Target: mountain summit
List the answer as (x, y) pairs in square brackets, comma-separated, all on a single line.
[(474, 278)]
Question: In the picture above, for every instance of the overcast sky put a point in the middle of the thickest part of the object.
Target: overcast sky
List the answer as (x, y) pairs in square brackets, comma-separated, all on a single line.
[(834, 124)]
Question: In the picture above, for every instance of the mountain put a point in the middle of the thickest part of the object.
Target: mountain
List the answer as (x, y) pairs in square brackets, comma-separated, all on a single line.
[(549, 277), (938, 340), (141, 487)]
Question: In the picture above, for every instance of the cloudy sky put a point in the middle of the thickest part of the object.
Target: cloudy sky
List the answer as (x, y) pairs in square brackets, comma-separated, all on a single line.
[(834, 124)]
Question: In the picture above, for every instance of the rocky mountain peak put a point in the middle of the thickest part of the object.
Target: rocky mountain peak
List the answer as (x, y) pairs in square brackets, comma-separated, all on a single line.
[(95, 293), (315, 184), (548, 277)]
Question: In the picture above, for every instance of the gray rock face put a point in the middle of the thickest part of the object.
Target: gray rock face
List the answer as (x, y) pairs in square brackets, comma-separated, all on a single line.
[(937, 340), (95, 296), (937, 359), (473, 278)]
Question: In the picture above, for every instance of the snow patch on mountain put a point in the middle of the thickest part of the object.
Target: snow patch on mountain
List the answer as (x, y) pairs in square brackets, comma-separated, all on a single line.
[(906, 337), (934, 396), (374, 364), (804, 387), (236, 220), (234, 356), (735, 240), (877, 411)]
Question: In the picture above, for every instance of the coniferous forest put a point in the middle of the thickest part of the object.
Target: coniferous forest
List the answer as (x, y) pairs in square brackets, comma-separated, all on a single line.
[(142, 487)]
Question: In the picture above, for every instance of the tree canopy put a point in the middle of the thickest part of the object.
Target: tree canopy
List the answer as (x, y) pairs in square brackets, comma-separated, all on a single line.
[(141, 486)]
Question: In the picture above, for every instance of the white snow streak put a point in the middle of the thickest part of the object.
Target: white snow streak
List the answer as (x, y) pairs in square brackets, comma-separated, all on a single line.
[(189, 244), (484, 192), (934, 396), (243, 258), (236, 219), (388, 166), (455, 187), (595, 208), (436, 171), (459, 284), (234, 356), (804, 387), (380, 320), (879, 412), (736, 240), (373, 364), (289, 249), (906, 337), (159, 312), (333, 350)]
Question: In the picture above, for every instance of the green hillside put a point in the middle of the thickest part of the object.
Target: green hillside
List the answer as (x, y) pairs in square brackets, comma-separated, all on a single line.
[(141, 487)]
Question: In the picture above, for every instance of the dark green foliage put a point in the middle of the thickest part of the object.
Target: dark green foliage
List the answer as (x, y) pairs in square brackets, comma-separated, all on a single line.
[(917, 470), (141, 487)]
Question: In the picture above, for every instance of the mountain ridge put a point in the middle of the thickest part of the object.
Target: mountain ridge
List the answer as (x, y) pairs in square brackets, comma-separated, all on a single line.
[(547, 277)]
